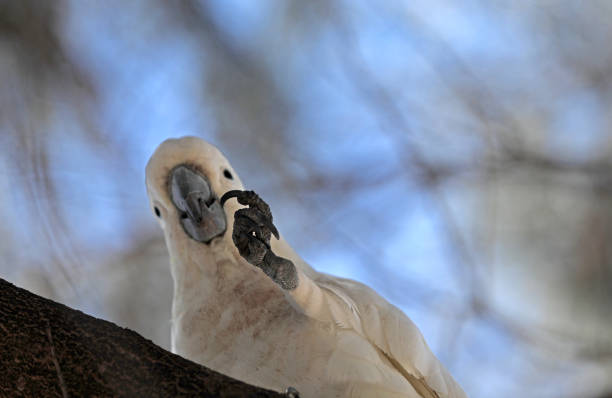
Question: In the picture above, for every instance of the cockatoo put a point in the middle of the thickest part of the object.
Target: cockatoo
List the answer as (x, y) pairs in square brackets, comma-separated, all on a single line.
[(248, 306)]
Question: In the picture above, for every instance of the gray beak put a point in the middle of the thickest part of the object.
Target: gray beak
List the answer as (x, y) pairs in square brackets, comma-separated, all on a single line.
[(199, 209)]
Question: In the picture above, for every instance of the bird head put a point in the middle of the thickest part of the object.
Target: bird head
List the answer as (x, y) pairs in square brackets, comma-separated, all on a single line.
[(185, 178)]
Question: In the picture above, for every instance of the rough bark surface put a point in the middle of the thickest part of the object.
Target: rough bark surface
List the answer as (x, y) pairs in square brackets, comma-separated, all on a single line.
[(50, 350)]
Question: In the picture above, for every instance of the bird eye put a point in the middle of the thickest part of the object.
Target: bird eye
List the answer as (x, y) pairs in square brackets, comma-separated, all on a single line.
[(227, 174), (157, 212)]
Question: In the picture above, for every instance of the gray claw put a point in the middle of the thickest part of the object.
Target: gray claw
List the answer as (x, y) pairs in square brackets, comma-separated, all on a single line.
[(230, 194), (264, 219), (251, 235)]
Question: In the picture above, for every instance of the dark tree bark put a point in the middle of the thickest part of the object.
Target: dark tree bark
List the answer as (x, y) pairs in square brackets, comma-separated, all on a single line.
[(50, 350)]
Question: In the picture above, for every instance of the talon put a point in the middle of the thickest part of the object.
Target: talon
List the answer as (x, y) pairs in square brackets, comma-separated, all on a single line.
[(235, 193), (243, 198), (251, 235), (270, 227), (274, 231)]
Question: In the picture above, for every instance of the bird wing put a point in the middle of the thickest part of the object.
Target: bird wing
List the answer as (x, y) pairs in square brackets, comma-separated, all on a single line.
[(394, 334)]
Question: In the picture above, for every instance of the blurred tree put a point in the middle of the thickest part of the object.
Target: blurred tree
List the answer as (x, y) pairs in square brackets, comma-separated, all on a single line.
[(484, 128)]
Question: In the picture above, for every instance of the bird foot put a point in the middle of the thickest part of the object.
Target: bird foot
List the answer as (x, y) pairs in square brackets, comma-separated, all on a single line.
[(253, 229)]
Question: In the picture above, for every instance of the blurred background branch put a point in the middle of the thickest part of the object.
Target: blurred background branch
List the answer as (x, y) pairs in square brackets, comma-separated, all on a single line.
[(457, 159)]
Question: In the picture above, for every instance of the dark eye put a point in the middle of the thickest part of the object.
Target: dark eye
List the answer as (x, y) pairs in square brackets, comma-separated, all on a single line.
[(227, 174), (157, 212)]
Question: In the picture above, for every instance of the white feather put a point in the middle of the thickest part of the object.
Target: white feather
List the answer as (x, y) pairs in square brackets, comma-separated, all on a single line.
[(329, 337)]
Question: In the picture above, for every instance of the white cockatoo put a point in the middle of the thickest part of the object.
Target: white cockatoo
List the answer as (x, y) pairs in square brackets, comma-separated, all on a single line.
[(252, 309)]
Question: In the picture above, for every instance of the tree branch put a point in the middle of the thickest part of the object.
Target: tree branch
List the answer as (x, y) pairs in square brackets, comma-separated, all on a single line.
[(50, 350)]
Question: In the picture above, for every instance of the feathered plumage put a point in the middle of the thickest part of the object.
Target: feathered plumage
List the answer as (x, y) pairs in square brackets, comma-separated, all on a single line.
[(327, 337)]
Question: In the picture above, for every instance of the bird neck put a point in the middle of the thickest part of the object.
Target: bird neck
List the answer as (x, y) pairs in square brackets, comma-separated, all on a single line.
[(200, 268)]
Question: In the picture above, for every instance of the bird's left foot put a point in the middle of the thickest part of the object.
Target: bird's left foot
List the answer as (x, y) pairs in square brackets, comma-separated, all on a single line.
[(253, 229)]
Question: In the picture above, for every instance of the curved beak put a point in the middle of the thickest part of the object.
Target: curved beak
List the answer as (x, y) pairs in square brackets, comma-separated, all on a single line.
[(200, 212)]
